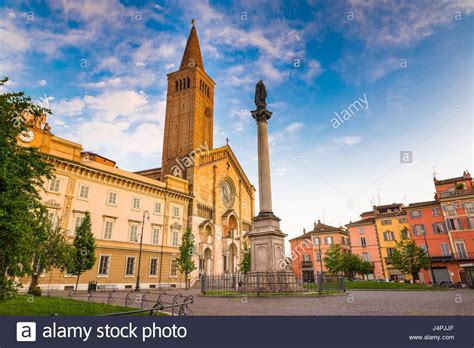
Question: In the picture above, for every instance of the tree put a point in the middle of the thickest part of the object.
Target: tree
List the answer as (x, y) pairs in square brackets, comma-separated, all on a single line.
[(245, 263), (52, 250), (337, 261), (185, 261), (333, 259), (83, 255), (409, 259), (352, 264), (22, 174)]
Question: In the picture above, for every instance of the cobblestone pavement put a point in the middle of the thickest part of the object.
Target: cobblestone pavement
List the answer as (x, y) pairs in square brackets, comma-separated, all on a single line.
[(451, 302)]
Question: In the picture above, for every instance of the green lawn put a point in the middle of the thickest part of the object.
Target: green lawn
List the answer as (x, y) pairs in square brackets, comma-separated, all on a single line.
[(25, 305), (370, 285)]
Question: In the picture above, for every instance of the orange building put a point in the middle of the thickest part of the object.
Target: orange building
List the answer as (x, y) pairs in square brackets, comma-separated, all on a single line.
[(456, 196), (429, 231), (365, 243), (308, 250)]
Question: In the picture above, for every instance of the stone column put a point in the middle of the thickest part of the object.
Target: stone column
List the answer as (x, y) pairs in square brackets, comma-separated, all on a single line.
[(264, 179), (267, 246)]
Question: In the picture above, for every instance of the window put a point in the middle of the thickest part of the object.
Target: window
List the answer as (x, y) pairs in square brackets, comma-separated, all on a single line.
[(469, 206), (78, 219), (450, 209), (104, 262), (84, 192), (388, 236), (438, 227), (435, 211), (454, 224), (445, 249), (461, 249), (328, 240), (361, 230), (318, 256), (415, 214), (157, 208), (174, 269), (316, 240), (153, 267), (390, 252), (133, 235), (136, 203), (306, 258), (155, 235), (470, 221), (386, 222), (403, 220), (108, 228), (366, 256), (130, 266), (112, 198), (363, 242), (176, 211), (52, 217), (404, 233), (174, 237), (423, 246), (419, 230), (54, 185)]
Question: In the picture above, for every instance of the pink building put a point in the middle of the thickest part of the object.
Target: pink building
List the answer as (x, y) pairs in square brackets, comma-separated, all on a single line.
[(364, 242)]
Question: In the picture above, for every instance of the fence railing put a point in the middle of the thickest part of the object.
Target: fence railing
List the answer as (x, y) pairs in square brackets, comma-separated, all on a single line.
[(270, 282), (174, 304)]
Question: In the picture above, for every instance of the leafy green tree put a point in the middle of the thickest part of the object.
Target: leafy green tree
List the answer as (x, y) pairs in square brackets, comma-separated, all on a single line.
[(245, 263), (53, 250), (333, 259), (337, 261), (409, 259), (22, 174), (352, 264), (83, 254), (185, 261)]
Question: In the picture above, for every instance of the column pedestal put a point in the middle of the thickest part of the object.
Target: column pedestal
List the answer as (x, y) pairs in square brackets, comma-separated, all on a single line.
[(267, 244)]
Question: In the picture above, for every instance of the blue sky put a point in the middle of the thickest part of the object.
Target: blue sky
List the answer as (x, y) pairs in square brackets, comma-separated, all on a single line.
[(102, 67)]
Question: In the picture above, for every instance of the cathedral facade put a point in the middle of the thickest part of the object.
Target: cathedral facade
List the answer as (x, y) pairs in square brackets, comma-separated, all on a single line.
[(198, 187)]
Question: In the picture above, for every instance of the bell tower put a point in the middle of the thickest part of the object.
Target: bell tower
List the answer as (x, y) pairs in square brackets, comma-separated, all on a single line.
[(189, 111)]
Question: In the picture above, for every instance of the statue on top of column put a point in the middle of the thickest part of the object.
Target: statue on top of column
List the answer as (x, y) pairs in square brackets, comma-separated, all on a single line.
[(260, 95)]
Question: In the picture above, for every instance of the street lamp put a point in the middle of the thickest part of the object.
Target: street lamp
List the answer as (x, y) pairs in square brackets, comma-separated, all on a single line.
[(147, 214)]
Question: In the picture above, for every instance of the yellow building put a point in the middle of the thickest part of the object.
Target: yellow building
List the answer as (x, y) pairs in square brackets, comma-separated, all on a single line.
[(199, 187), (390, 221)]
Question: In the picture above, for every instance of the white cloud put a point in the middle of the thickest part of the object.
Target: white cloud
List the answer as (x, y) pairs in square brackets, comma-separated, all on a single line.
[(68, 107), (111, 105), (402, 23), (287, 131), (348, 140), (42, 82), (313, 70), (107, 83)]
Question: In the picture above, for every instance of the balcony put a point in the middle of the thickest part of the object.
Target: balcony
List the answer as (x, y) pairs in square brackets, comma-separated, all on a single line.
[(306, 264), (440, 258), (446, 194), (453, 257)]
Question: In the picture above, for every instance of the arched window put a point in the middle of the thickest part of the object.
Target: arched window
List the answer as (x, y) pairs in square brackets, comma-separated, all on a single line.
[(176, 84), (189, 81), (200, 85), (180, 84)]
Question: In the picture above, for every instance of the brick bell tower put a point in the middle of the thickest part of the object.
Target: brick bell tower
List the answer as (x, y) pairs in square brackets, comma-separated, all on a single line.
[(189, 111)]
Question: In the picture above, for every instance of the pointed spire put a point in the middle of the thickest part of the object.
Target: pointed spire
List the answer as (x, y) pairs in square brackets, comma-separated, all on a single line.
[(192, 52)]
